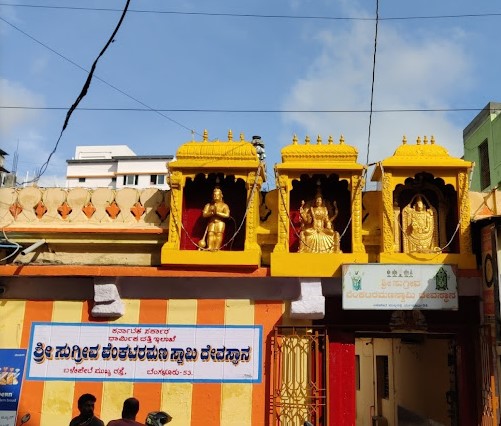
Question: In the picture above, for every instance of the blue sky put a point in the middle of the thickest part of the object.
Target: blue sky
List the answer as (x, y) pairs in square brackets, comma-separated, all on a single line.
[(195, 61)]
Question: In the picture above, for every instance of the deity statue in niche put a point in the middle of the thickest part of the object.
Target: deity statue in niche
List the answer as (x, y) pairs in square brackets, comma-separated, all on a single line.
[(217, 211), (317, 232), (420, 226)]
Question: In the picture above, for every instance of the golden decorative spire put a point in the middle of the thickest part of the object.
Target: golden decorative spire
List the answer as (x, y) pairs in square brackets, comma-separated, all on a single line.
[(418, 141), (242, 137), (206, 135), (404, 140), (425, 140), (319, 140), (294, 139), (331, 141), (341, 140), (432, 140), (230, 135), (307, 140)]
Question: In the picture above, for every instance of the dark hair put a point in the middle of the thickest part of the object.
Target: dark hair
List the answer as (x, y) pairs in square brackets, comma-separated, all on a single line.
[(130, 409), (84, 398)]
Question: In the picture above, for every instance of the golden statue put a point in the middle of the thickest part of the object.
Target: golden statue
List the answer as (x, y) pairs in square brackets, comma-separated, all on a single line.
[(317, 233), (216, 211), (420, 226)]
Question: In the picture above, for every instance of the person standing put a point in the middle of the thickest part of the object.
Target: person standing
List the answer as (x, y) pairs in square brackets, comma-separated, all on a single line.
[(129, 413), (86, 417)]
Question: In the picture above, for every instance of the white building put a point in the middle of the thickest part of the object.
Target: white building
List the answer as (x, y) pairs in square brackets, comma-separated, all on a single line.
[(116, 166)]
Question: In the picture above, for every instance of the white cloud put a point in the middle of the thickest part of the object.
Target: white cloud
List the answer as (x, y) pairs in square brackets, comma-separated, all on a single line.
[(14, 94), (412, 71)]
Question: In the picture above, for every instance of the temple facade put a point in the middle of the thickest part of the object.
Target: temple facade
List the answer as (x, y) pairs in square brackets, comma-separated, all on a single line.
[(224, 304)]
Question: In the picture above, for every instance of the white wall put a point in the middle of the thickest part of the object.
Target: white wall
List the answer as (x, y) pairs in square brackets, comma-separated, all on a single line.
[(101, 151)]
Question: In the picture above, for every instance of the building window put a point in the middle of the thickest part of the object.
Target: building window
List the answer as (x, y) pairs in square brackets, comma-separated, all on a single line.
[(113, 180), (485, 172), (131, 179), (157, 179), (81, 180)]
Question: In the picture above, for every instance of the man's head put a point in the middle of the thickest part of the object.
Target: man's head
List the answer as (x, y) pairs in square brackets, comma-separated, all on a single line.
[(217, 194), (130, 409), (86, 404)]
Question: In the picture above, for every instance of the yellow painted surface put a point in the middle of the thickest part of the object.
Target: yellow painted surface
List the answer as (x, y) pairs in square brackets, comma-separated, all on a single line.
[(463, 261), (218, 258), (115, 393), (58, 395), (285, 264), (236, 158), (236, 398), (176, 397), (11, 323)]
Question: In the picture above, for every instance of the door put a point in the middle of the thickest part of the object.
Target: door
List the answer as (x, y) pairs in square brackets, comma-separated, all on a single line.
[(375, 394), (404, 381)]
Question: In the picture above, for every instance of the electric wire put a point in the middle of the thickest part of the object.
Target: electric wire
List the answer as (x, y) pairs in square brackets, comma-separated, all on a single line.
[(261, 16), (82, 94), (147, 107), (256, 111), (372, 83)]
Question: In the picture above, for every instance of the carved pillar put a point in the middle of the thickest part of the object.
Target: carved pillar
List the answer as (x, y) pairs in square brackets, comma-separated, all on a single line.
[(176, 212), (387, 226), (464, 214), (357, 183), (253, 186), (283, 217), (397, 237)]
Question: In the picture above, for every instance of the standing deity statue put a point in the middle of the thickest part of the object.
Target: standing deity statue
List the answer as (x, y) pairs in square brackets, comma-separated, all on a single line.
[(217, 211), (419, 226), (317, 233)]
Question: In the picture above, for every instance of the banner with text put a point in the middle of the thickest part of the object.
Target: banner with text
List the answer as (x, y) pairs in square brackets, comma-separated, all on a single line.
[(170, 353), (11, 376), (399, 287)]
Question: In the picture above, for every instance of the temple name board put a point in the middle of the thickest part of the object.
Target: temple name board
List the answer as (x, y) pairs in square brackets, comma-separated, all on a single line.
[(399, 287), (153, 353)]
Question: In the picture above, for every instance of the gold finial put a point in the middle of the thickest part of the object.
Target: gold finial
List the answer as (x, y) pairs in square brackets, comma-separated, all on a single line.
[(294, 139), (242, 137), (319, 140), (206, 135), (307, 140), (230, 135), (418, 141), (432, 140), (341, 140), (331, 141), (404, 140), (425, 140)]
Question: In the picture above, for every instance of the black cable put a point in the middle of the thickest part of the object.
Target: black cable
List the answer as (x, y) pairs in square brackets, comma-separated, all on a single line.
[(372, 84), (82, 94), (98, 78), (254, 15)]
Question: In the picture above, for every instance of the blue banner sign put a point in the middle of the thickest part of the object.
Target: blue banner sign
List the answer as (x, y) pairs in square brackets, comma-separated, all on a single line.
[(12, 363)]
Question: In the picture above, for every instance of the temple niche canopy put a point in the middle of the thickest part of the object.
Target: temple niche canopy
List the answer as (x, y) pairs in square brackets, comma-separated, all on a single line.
[(319, 208), (215, 188), (426, 208)]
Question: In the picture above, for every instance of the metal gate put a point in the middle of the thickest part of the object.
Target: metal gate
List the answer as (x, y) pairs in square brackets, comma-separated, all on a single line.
[(299, 376)]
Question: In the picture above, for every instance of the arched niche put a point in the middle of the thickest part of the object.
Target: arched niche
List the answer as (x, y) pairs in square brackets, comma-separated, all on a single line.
[(333, 189), (437, 195), (197, 193)]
